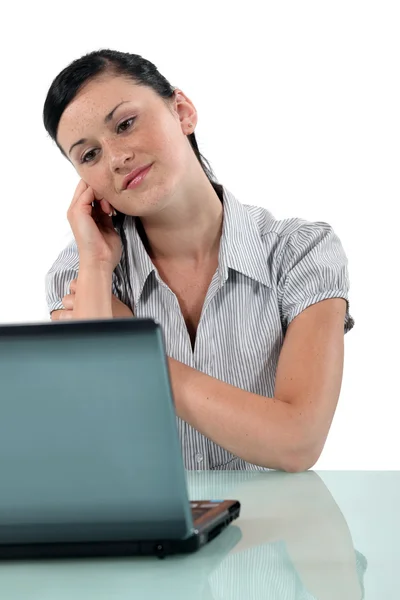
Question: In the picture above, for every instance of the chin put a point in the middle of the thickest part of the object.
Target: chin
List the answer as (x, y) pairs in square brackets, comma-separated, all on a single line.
[(145, 203)]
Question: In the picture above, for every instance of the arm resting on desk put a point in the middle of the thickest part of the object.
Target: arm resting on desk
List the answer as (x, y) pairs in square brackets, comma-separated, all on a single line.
[(286, 432)]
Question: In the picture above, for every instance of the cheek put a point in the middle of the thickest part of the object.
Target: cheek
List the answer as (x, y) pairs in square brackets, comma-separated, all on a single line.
[(173, 150), (97, 179), (167, 141)]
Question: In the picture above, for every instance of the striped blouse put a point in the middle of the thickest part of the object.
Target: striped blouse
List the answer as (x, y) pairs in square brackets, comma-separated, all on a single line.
[(268, 272)]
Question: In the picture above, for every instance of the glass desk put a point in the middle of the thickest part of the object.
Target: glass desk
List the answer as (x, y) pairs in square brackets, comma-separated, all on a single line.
[(325, 535)]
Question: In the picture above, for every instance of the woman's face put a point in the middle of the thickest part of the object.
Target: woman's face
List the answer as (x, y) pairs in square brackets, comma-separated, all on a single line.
[(114, 126)]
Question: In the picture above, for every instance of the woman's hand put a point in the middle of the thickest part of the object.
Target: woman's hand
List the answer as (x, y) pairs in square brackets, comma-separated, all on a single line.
[(99, 245), (119, 309)]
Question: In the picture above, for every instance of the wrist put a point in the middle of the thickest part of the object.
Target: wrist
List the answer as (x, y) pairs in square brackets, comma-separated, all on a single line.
[(92, 269), (93, 296)]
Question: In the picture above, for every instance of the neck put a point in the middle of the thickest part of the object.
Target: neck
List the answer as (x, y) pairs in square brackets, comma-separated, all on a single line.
[(188, 230)]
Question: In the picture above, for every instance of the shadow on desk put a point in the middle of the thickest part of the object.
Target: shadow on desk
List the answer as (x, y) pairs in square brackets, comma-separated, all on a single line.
[(290, 543)]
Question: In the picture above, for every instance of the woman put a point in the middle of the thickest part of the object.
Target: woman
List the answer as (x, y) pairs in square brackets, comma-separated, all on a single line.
[(253, 309)]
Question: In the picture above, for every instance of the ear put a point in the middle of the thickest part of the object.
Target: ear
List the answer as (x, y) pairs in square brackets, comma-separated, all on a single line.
[(185, 111)]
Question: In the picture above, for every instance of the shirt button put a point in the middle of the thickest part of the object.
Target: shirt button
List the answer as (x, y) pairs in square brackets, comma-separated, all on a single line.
[(199, 458)]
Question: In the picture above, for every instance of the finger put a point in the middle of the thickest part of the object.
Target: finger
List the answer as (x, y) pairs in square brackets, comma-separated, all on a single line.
[(66, 315), (104, 204), (104, 222), (80, 188), (97, 195), (72, 286), (100, 217), (106, 207), (82, 203), (86, 197), (68, 301)]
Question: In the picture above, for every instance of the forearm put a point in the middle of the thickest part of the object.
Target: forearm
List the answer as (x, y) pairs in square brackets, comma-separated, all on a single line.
[(263, 431), (93, 296)]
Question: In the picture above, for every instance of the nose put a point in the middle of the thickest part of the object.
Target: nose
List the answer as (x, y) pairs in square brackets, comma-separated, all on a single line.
[(119, 155)]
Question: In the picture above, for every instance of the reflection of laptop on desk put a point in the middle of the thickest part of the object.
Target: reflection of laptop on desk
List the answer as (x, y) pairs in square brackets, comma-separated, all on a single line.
[(90, 458)]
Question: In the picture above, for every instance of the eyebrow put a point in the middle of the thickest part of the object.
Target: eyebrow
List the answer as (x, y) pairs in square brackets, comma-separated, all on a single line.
[(107, 119)]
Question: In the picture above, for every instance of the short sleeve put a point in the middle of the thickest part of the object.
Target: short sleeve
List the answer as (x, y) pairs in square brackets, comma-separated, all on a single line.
[(65, 269), (312, 267)]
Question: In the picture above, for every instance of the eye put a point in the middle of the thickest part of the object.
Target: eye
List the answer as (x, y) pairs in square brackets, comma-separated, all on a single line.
[(88, 157), (125, 125)]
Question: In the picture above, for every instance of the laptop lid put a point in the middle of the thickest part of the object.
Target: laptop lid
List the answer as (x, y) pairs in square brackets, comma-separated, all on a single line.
[(89, 447)]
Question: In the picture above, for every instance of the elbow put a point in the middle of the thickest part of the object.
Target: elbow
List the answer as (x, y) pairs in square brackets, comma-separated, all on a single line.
[(303, 458), (298, 466), (295, 461)]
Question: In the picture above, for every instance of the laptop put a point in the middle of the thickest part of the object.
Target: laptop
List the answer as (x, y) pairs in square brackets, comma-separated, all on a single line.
[(90, 456)]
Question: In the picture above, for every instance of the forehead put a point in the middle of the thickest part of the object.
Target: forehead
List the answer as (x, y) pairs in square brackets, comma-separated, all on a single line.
[(95, 100)]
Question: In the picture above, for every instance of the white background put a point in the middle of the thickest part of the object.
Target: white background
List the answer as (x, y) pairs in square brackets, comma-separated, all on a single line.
[(298, 111)]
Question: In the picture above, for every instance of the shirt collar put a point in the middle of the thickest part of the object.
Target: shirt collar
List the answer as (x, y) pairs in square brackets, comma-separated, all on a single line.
[(241, 247), (139, 265)]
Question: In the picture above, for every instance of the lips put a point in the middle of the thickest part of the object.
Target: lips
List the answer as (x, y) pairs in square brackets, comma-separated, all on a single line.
[(134, 174)]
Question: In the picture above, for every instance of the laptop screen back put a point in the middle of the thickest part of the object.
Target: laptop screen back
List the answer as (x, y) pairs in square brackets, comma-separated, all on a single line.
[(89, 447)]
